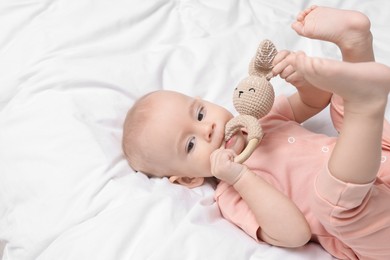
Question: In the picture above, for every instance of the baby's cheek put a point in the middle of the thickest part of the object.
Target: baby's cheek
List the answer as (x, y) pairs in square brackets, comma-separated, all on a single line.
[(206, 164)]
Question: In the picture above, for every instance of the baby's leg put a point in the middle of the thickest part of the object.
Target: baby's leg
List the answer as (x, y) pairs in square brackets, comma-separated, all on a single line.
[(349, 30), (337, 115), (364, 88)]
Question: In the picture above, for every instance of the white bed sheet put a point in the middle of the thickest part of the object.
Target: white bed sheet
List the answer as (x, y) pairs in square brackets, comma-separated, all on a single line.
[(71, 69)]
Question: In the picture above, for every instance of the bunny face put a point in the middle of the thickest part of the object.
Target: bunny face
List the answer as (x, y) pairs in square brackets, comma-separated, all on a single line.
[(253, 96)]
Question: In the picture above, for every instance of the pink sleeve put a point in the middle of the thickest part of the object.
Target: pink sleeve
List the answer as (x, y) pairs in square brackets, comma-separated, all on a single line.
[(281, 110), (235, 209)]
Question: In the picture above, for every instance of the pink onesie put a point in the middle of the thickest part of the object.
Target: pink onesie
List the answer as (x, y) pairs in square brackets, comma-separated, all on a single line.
[(294, 160)]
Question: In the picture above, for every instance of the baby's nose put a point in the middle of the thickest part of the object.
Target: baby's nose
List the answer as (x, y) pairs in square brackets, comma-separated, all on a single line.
[(208, 129)]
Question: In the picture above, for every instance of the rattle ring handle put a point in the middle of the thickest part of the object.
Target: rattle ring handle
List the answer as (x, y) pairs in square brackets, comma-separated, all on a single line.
[(244, 155)]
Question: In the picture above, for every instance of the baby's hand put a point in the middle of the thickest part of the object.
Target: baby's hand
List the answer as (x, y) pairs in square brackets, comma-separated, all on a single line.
[(223, 166), (284, 66), (284, 63)]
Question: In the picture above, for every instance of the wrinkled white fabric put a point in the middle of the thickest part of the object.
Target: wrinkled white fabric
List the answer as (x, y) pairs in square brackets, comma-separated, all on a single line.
[(69, 72)]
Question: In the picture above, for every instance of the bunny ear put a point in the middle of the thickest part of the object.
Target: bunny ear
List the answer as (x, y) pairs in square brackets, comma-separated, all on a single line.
[(261, 65), (265, 55)]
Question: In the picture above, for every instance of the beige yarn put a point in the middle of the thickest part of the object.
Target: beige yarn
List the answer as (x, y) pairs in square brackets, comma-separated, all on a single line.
[(261, 64), (253, 98), (249, 122)]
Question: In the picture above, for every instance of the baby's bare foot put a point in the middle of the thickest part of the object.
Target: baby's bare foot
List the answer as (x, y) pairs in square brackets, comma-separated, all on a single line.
[(363, 86), (349, 30)]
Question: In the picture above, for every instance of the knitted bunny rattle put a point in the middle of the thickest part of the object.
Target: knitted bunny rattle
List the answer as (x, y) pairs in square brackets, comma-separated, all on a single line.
[(253, 98)]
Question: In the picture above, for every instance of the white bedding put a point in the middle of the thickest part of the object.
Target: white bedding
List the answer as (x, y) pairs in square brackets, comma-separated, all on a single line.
[(69, 72)]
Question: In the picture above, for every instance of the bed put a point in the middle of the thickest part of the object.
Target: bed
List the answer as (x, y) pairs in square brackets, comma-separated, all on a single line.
[(69, 72)]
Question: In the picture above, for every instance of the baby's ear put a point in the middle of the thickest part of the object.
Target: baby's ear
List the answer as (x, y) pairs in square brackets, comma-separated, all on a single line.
[(190, 182)]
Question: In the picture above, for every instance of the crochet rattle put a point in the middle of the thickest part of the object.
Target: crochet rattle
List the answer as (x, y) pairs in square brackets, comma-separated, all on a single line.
[(253, 98)]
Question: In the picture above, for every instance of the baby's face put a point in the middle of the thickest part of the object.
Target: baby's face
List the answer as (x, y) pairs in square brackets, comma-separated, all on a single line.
[(184, 131)]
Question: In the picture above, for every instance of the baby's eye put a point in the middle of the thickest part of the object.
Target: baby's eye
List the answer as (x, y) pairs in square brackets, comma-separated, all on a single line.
[(190, 145), (201, 114), (252, 89)]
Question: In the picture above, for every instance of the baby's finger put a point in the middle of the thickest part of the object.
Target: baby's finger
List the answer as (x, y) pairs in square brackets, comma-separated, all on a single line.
[(220, 156), (287, 72), (289, 60), (295, 79), (214, 155), (280, 56), (281, 66), (230, 153)]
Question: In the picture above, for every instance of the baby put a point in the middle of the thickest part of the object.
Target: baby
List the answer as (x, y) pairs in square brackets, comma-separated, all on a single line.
[(297, 186)]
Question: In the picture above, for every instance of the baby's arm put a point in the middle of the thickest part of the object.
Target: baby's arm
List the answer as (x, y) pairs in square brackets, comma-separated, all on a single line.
[(309, 100), (281, 222)]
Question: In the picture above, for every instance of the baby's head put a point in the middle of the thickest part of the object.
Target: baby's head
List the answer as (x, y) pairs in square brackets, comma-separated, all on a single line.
[(168, 134)]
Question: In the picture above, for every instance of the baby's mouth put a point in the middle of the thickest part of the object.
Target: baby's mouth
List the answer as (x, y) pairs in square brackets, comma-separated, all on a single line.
[(230, 142)]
